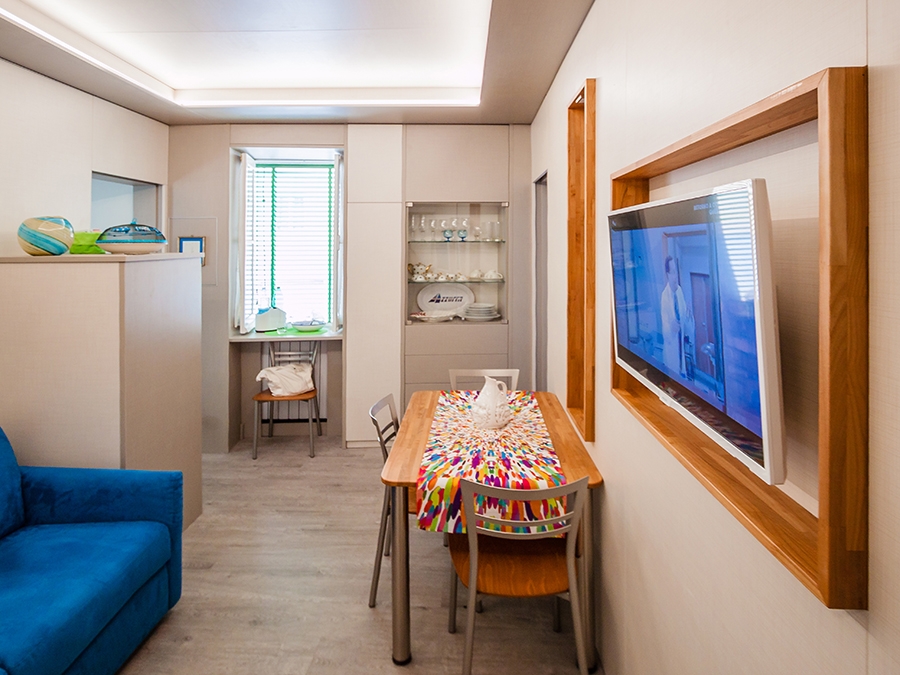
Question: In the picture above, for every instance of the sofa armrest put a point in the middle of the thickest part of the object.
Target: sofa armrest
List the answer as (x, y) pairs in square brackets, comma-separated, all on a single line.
[(60, 495)]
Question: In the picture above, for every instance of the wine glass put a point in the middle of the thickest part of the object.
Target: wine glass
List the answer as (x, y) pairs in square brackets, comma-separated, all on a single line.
[(463, 231), (433, 229)]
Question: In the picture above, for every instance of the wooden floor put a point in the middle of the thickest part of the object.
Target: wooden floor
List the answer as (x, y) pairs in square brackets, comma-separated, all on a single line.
[(277, 572)]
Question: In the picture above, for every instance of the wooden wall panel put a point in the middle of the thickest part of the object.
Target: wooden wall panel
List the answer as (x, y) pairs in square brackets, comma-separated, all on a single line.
[(829, 555)]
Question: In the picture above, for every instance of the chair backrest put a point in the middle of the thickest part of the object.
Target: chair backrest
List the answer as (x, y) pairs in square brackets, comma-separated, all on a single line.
[(283, 353), (468, 377), (563, 516), (387, 431)]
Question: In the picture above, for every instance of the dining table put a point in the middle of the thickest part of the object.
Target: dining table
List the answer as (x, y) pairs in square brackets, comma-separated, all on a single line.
[(402, 470)]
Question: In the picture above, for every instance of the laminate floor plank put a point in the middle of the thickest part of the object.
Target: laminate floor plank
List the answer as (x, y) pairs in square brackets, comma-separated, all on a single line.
[(277, 571)]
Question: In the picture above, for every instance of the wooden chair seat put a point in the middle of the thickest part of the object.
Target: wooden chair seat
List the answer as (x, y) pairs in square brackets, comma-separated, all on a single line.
[(517, 569), (268, 397)]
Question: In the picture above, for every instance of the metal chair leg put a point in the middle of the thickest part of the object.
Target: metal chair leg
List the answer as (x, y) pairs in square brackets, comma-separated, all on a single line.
[(470, 626), (256, 429), (382, 533), (271, 419), (577, 618), (557, 614), (318, 416), (454, 584), (312, 445)]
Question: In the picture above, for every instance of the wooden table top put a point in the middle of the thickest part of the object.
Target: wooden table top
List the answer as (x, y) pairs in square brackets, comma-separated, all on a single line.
[(405, 459)]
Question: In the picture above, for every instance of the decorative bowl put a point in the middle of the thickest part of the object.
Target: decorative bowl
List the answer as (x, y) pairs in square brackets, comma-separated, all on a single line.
[(132, 239), (308, 326), (46, 235)]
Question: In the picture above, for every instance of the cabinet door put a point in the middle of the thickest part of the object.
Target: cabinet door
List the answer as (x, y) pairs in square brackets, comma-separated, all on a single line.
[(372, 332), (374, 163), (459, 163)]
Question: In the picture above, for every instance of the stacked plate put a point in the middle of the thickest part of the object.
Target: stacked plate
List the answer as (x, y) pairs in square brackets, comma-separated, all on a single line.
[(433, 316), (481, 311)]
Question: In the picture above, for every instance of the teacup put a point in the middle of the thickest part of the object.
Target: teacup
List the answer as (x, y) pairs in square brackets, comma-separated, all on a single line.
[(441, 277), (461, 277), (476, 274), (418, 277), (429, 276), (493, 274)]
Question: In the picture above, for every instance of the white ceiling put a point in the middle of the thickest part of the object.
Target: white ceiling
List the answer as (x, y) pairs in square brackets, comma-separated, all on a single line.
[(195, 61)]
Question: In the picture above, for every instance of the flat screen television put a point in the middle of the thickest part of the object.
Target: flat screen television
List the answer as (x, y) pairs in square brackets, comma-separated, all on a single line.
[(695, 318)]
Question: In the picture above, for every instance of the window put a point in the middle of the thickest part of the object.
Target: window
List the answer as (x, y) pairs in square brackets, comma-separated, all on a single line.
[(290, 239)]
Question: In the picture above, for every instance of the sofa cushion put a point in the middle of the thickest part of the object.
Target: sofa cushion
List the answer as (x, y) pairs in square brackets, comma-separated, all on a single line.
[(11, 510), (61, 584)]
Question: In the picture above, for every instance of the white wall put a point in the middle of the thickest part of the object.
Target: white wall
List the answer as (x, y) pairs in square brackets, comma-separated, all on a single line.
[(54, 136), (685, 588)]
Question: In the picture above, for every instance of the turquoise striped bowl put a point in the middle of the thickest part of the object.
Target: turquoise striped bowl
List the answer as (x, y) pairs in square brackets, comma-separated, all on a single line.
[(46, 235), (131, 239)]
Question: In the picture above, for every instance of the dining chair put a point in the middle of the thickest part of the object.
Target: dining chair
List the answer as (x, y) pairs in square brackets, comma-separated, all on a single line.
[(466, 375), (386, 428), (280, 356), (514, 555)]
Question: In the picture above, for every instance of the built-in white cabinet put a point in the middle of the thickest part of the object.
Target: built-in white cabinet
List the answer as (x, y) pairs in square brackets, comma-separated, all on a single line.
[(101, 363), (431, 351), (456, 254), (457, 276), (457, 163), (374, 254)]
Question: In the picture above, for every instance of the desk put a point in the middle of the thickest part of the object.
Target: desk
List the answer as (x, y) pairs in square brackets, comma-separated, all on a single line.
[(401, 471), (250, 349), (286, 336)]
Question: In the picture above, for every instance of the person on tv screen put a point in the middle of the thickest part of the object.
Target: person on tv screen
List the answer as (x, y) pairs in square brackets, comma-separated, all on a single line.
[(675, 317)]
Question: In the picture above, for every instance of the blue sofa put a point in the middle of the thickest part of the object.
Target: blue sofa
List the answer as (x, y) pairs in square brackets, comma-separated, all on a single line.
[(90, 561)]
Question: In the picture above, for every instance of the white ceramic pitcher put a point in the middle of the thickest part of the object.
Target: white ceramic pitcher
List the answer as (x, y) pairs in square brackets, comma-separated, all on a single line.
[(490, 410)]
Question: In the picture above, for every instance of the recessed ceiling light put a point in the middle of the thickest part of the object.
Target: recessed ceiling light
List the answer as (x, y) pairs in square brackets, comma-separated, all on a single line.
[(273, 53)]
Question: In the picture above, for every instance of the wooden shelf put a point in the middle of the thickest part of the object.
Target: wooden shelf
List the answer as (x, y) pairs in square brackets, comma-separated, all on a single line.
[(828, 554)]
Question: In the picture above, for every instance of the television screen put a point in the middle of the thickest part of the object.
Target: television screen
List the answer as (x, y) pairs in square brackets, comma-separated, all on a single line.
[(695, 319)]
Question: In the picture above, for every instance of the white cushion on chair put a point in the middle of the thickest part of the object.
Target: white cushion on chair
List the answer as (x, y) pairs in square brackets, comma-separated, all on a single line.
[(294, 378)]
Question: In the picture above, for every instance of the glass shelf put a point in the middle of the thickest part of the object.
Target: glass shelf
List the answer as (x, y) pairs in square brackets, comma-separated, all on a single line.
[(457, 241), (454, 281)]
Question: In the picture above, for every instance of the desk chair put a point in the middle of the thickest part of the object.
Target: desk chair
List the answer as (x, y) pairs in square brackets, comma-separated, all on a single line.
[(518, 564), (512, 374), (386, 432), (280, 356)]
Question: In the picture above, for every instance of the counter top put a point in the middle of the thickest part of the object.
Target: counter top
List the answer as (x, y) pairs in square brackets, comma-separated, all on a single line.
[(96, 258), (286, 335)]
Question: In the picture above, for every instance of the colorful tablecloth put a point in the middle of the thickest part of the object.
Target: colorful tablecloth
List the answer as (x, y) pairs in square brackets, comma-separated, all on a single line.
[(520, 455)]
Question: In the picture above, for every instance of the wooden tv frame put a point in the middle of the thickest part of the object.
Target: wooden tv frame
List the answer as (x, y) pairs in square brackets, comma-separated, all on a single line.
[(828, 553)]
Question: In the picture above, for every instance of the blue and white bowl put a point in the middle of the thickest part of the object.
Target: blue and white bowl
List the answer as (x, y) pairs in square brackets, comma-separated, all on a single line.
[(46, 235), (132, 239)]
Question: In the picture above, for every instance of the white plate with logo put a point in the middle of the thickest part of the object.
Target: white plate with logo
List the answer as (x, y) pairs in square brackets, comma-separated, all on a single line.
[(447, 297)]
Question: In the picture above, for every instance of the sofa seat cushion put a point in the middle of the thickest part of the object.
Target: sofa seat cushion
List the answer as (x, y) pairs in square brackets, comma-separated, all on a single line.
[(61, 584)]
